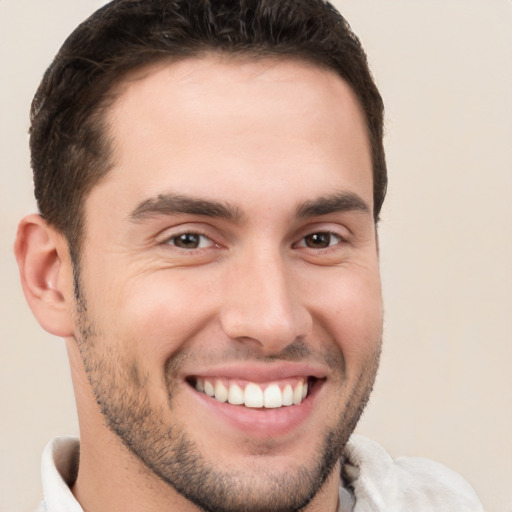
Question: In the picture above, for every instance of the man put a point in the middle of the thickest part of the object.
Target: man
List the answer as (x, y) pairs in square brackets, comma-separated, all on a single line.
[(210, 177)]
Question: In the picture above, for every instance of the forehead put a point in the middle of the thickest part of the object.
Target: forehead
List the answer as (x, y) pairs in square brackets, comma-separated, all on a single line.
[(201, 123), (224, 88)]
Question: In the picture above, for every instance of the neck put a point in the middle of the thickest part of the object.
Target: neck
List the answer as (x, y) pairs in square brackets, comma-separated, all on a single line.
[(111, 479), (105, 484)]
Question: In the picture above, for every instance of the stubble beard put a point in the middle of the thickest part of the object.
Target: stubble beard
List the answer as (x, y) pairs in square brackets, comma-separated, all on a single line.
[(167, 451)]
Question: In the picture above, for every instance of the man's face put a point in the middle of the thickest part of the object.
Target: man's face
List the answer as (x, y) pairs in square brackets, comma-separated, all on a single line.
[(232, 250)]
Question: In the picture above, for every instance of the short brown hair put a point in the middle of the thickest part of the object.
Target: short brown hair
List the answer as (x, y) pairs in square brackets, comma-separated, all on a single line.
[(69, 147)]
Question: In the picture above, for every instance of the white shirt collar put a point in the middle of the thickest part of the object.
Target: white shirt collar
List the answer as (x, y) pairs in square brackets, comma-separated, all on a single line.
[(59, 467)]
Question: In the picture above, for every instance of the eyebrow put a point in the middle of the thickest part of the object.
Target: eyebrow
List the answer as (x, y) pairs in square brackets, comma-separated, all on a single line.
[(337, 202), (168, 204)]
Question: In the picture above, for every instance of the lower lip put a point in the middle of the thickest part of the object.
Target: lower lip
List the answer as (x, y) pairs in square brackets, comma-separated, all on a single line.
[(260, 423)]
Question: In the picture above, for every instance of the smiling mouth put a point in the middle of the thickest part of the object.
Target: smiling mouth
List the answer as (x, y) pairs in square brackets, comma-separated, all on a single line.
[(272, 395)]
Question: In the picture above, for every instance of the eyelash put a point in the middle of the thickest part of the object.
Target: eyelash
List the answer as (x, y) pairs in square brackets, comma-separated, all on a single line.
[(303, 242), (172, 240), (331, 234)]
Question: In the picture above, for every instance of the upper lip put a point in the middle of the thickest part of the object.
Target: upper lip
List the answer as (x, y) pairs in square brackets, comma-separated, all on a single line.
[(260, 372)]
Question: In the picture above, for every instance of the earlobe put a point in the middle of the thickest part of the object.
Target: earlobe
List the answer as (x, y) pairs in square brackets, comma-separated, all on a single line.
[(46, 274)]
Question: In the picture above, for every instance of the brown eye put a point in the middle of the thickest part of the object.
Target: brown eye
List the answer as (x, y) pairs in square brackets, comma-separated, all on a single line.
[(190, 241), (321, 240)]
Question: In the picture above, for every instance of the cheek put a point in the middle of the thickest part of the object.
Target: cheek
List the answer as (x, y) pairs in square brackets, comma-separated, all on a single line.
[(350, 308), (157, 315)]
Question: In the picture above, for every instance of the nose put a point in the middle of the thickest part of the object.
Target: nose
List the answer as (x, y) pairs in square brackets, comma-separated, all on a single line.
[(262, 303)]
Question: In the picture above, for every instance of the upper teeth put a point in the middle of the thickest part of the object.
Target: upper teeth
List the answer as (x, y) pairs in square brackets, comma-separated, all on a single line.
[(254, 395)]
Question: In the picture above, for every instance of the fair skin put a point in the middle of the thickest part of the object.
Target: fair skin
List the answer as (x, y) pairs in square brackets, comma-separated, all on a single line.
[(232, 244)]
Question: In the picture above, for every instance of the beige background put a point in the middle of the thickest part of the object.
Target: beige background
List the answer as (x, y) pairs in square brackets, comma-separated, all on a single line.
[(444, 390)]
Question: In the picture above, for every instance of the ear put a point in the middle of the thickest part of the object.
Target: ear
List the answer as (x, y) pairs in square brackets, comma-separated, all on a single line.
[(46, 274)]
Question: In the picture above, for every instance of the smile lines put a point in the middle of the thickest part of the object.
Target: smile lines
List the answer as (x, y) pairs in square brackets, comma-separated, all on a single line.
[(254, 395)]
